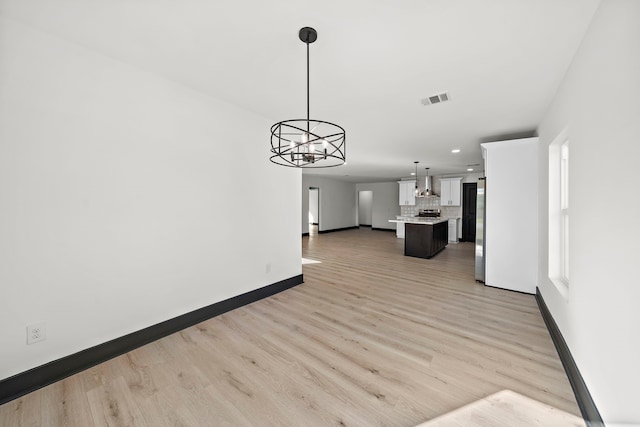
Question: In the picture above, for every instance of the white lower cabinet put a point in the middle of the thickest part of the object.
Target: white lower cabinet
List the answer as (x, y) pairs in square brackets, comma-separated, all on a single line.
[(453, 230)]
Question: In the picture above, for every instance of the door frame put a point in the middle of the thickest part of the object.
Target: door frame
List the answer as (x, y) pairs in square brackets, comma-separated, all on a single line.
[(467, 186)]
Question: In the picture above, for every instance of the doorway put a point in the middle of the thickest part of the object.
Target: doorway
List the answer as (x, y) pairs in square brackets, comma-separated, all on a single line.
[(365, 208), (314, 210), (469, 195)]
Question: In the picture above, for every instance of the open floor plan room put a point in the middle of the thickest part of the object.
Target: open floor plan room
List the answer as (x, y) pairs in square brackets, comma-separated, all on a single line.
[(370, 338)]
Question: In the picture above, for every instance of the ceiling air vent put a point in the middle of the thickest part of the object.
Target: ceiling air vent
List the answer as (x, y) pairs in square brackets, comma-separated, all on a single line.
[(436, 99)]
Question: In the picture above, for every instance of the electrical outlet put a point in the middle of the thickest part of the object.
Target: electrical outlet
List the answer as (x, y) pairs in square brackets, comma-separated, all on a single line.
[(36, 333)]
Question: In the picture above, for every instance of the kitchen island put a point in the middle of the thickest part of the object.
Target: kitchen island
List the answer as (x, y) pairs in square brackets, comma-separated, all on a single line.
[(424, 238)]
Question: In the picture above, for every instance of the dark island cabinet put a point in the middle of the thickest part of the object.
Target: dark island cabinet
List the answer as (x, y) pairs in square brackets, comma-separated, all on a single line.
[(425, 240)]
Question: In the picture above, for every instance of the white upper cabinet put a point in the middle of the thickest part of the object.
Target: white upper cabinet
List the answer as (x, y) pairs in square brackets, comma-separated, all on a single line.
[(450, 191), (407, 193)]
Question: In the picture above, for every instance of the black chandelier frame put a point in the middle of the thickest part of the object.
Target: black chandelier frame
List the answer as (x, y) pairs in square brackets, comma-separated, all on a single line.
[(308, 143)]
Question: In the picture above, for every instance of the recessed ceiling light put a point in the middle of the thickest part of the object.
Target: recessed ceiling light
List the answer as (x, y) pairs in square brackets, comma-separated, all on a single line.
[(455, 150), (470, 170), (413, 173)]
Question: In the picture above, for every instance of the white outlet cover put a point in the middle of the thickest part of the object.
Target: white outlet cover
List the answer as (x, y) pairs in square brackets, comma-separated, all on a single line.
[(36, 333)]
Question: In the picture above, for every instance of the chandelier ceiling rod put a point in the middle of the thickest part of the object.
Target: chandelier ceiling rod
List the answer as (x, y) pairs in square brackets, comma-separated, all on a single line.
[(307, 42)]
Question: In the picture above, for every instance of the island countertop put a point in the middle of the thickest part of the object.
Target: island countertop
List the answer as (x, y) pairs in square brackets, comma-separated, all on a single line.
[(419, 220)]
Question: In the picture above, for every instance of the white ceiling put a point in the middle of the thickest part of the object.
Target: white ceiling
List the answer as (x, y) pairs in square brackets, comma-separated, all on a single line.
[(500, 60)]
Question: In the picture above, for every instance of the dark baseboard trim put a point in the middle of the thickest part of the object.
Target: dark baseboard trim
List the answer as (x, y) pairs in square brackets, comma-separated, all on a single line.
[(505, 289), (305, 234), (41, 376), (338, 229), (365, 225), (383, 229), (583, 397), (314, 223)]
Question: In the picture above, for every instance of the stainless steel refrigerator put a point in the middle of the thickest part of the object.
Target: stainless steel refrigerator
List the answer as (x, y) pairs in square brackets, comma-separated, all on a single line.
[(481, 218)]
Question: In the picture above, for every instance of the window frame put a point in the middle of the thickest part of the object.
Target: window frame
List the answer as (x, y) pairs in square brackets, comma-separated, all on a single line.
[(559, 220), (564, 212)]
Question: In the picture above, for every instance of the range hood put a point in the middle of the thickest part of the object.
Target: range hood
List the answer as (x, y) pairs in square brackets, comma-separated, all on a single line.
[(427, 188)]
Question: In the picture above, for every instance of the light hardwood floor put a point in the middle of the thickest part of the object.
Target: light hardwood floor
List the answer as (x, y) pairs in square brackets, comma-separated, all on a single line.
[(371, 338)]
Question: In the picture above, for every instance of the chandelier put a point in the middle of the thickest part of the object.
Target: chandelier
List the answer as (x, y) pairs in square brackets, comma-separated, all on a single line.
[(308, 143)]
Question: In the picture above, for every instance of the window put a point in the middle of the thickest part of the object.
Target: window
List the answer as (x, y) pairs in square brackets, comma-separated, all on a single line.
[(564, 211), (559, 213)]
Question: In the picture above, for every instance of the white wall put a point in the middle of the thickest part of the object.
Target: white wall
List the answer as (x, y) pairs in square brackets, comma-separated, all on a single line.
[(599, 104), (511, 206), (365, 200), (385, 203), (118, 203), (337, 203)]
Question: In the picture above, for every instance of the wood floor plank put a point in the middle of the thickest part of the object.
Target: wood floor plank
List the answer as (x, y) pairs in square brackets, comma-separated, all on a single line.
[(112, 404), (24, 411), (291, 375), (372, 338), (64, 404)]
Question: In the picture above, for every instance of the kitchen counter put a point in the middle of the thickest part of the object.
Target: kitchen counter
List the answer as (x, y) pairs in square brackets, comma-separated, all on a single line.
[(419, 220), (400, 222), (424, 239)]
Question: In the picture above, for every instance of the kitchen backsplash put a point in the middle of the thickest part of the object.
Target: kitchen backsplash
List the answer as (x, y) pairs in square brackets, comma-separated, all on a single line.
[(450, 211), (431, 202)]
